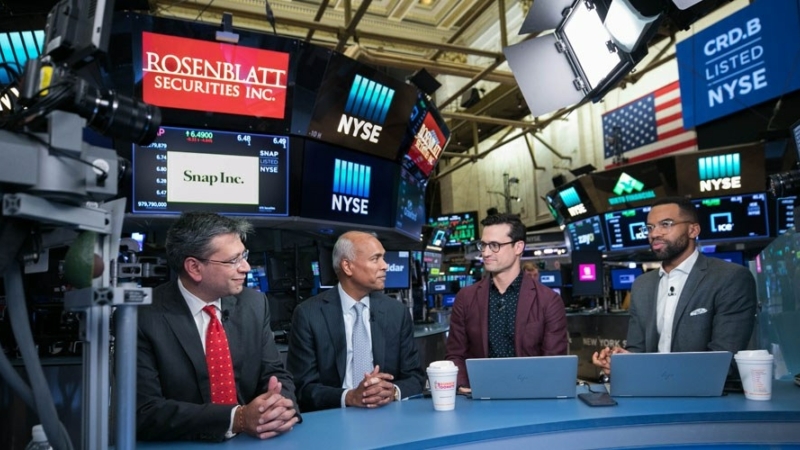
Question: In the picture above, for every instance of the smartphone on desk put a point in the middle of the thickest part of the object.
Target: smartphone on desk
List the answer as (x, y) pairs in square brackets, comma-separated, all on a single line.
[(597, 399)]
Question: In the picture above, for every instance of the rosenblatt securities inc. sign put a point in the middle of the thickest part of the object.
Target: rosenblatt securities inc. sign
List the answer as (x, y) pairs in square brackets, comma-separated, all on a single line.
[(210, 76)]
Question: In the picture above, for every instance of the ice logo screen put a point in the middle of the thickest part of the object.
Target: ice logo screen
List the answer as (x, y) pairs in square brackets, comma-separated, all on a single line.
[(366, 109), (637, 231), (721, 222), (719, 172), (351, 184), (587, 272), (572, 201)]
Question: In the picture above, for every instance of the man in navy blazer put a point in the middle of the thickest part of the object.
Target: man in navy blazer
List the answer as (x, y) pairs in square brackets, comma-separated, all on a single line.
[(173, 397), (693, 303), (508, 313), (320, 353)]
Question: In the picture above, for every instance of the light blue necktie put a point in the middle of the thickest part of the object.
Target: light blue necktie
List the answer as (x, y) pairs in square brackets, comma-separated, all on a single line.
[(362, 348)]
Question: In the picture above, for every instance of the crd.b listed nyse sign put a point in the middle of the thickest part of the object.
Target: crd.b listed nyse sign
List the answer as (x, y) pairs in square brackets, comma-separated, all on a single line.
[(741, 61)]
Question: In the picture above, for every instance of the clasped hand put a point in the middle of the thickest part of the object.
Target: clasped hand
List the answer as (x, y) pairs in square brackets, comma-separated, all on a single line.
[(602, 359), (269, 414), (376, 389)]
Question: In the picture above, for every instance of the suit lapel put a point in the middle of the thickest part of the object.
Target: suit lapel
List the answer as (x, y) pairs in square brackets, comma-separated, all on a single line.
[(331, 310), (377, 321), (527, 295), (651, 343), (692, 281), (179, 319), (482, 294)]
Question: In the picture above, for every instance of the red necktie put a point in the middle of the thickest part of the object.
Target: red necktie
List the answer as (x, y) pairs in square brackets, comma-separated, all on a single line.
[(218, 358)]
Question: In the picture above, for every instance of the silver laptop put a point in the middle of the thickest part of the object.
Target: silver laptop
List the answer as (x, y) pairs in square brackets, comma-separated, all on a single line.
[(691, 374), (524, 377)]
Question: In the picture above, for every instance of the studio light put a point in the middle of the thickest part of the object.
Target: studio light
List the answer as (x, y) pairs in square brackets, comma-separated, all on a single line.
[(627, 25), (595, 43)]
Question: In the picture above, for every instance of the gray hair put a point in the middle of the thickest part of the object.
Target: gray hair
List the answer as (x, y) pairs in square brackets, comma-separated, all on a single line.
[(345, 249), (192, 233)]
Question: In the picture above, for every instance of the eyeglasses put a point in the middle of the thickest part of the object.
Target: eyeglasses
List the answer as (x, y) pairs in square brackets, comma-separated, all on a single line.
[(493, 246), (665, 225), (235, 262)]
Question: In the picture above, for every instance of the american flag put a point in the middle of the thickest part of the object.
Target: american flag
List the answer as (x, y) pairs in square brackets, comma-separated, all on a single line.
[(649, 127)]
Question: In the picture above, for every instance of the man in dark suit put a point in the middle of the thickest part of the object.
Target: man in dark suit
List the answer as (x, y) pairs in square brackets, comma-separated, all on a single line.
[(323, 342), (509, 313), (692, 303), (178, 393)]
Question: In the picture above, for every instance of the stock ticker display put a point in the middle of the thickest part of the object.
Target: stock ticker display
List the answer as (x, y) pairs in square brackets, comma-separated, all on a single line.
[(455, 229), (226, 172), (587, 234), (734, 217), (624, 229)]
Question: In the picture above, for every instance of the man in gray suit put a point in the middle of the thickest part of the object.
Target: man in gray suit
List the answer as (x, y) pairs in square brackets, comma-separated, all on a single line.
[(328, 332), (692, 303), (207, 311)]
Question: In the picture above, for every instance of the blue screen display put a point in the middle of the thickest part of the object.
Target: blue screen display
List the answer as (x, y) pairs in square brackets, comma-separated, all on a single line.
[(448, 300), (399, 272), (550, 278), (622, 279)]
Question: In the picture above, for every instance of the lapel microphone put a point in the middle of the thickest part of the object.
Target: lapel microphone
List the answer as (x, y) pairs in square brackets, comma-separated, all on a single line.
[(225, 315), (671, 291)]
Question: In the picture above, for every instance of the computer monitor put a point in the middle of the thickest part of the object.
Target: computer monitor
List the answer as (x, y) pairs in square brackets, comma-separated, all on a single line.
[(587, 274), (622, 279), (398, 275), (550, 278), (587, 234), (448, 300)]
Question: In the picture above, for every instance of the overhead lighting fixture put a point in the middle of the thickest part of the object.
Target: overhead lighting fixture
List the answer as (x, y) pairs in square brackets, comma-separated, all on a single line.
[(585, 56)]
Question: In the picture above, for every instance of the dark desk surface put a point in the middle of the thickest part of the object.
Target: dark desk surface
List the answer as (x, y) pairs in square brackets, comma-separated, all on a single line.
[(562, 424)]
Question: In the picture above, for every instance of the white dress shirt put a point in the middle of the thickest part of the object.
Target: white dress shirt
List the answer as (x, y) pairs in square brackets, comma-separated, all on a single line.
[(670, 287)]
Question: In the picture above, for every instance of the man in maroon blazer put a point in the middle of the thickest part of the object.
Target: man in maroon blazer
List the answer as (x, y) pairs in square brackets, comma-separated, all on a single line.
[(508, 313)]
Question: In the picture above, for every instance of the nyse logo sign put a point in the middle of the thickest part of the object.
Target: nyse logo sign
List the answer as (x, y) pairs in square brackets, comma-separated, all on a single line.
[(572, 202), (366, 109), (721, 172), (351, 184)]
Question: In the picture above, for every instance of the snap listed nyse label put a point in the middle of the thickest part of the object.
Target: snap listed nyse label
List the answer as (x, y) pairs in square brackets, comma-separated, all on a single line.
[(209, 76), (366, 109), (351, 183)]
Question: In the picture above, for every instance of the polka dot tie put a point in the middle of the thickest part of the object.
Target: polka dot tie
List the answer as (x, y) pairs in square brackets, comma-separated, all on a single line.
[(362, 347), (218, 358)]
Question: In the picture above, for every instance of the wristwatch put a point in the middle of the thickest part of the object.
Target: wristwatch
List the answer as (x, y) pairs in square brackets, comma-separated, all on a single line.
[(396, 393)]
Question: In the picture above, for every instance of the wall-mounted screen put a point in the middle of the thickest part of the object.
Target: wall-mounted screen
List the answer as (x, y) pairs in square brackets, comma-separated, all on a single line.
[(199, 169), (587, 234), (734, 217), (587, 274), (398, 275), (428, 135), (448, 300), (624, 229), (183, 73), (361, 108), (454, 230), (622, 279), (784, 214), (731, 257), (346, 186), (551, 278), (572, 201), (410, 214)]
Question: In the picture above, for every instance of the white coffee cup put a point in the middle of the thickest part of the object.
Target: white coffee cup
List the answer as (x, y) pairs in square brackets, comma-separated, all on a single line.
[(755, 369), (442, 377)]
